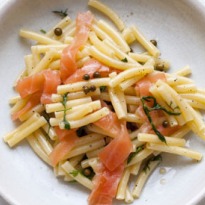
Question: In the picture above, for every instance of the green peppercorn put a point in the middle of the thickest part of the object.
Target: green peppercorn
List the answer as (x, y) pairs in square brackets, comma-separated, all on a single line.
[(86, 89), (165, 124), (86, 77), (96, 74), (58, 31), (154, 42), (92, 88), (159, 66)]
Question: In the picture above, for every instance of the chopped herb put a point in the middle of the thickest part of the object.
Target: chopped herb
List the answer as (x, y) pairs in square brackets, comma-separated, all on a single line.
[(66, 123), (155, 158), (103, 88), (43, 31), (64, 99), (124, 60), (155, 106), (74, 173), (133, 154), (61, 13)]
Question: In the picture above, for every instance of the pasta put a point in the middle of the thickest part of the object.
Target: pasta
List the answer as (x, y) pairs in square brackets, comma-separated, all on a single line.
[(98, 112)]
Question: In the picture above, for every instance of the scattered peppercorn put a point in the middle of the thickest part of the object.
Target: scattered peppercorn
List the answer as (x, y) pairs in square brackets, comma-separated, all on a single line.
[(159, 66), (154, 42), (96, 74), (58, 31), (165, 124), (92, 88), (86, 77), (86, 89)]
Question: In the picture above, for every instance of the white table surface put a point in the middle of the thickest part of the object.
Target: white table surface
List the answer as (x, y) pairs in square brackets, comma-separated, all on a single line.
[(3, 201)]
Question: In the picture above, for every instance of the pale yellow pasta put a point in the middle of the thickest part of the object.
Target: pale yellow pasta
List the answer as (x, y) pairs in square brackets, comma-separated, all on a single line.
[(53, 107), (62, 24), (130, 73), (114, 94), (74, 116), (187, 88), (50, 131), (94, 153), (121, 190), (175, 150), (117, 37), (40, 38), (171, 118), (89, 139), (42, 49), (45, 61), (38, 108), (101, 46), (19, 105), (130, 117), (140, 156), (135, 168), (18, 136), (184, 71), (120, 54), (21, 127), (170, 141), (78, 86), (194, 96), (76, 160), (37, 149), (28, 59), (96, 129), (69, 169), (44, 143), (145, 43), (128, 35), (86, 163), (142, 178), (107, 11), (14, 100), (173, 80), (139, 57), (87, 119), (196, 104), (128, 196), (127, 83), (97, 54), (94, 104), (85, 148)]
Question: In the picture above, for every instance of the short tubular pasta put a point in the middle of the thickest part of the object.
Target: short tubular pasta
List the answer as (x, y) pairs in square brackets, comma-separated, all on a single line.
[(99, 111)]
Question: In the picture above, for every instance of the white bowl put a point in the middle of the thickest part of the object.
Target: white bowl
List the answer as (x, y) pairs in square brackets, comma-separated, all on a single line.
[(179, 27)]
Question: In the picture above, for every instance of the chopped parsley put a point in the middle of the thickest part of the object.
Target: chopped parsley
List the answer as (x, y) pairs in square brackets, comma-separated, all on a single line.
[(124, 60), (43, 31), (75, 173), (133, 154), (66, 123), (61, 13), (155, 158), (103, 88)]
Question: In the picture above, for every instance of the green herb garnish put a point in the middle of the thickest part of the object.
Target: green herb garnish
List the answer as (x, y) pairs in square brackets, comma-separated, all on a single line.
[(66, 123), (61, 13), (124, 60), (155, 106), (147, 165), (43, 31), (74, 173), (103, 88), (133, 154)]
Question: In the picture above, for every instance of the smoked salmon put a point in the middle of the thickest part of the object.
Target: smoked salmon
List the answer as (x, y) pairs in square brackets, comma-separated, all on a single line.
[(68, 63)]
